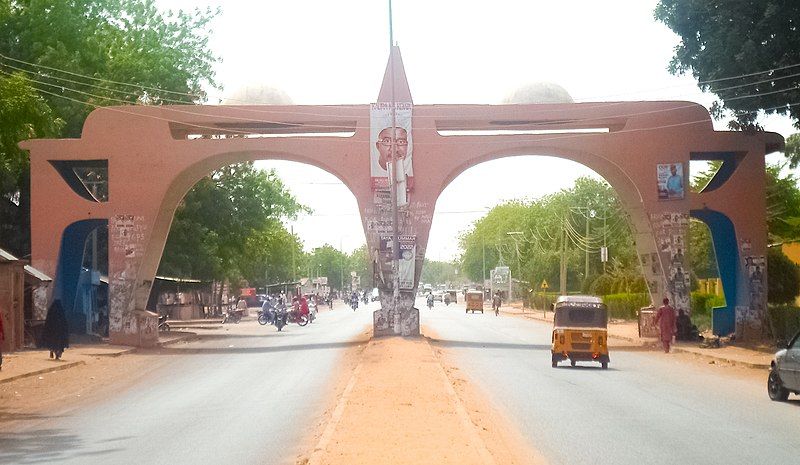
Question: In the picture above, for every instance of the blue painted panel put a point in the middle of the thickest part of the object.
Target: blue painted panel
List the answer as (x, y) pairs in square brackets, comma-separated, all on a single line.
[(70, 259), (723, 235)]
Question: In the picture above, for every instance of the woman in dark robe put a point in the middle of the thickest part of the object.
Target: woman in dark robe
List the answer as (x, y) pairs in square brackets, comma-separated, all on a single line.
[(55, 335)]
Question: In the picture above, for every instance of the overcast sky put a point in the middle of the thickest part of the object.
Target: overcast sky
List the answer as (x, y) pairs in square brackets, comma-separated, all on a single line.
[(325, 52)]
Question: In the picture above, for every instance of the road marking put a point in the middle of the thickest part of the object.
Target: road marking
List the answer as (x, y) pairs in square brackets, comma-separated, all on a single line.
[(474, 438), (316, 456)]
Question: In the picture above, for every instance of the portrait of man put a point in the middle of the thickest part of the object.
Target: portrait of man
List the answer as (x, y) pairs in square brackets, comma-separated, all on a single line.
[(391, 145), (670, 181)]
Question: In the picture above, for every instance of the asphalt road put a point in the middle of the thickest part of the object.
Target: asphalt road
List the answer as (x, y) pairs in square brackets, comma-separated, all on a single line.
[(647, 408), (244, 397)]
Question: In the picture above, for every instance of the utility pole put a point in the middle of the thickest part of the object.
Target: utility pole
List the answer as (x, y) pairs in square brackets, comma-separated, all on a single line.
[(562, 282), (392, 167)]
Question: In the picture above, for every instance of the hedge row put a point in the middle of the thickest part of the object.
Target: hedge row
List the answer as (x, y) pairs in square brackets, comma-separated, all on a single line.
[(784, 321), (626, 305)]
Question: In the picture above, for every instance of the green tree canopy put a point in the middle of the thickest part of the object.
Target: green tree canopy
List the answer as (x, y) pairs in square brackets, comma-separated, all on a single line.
[(229, 226), (533, 251), (745, 52), (60, 60), (23, 115)]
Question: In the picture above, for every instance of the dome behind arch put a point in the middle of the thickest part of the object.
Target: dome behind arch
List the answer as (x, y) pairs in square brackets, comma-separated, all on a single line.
[(539, 92), (257, 94)]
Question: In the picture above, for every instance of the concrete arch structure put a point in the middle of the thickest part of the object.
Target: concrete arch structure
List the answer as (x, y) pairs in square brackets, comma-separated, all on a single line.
[(155, 154)]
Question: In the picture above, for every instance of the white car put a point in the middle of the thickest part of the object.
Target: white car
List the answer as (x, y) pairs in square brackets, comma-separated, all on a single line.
[(784, 377)]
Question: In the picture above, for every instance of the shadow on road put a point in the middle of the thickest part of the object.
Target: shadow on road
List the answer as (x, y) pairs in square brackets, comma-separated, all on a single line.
[(44, 446), (488, 345), (251, 350)]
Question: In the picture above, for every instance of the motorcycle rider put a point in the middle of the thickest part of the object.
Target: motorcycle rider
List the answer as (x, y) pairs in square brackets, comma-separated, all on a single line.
[(354, 300), (267, 309), (430, 300), (447, 299)]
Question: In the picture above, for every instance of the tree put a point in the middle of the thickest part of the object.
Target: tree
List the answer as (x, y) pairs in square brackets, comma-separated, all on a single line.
[(745, 52), (436, 272), (228, 227), (535, 254), (23, 115), (359, 262), (77, 55), (783, 277)]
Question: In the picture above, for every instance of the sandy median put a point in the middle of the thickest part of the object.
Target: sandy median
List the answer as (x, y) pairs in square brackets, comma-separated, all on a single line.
[(400, 407)]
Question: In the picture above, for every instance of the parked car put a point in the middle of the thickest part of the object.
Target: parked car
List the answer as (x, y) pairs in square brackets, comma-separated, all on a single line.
[(784, 376)]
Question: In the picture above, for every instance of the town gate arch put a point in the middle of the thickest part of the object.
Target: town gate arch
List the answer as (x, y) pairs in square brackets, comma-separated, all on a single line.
[(155, 154)]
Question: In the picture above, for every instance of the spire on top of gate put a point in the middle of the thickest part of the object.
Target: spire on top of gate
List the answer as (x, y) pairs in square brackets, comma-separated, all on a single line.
[(402, 93)]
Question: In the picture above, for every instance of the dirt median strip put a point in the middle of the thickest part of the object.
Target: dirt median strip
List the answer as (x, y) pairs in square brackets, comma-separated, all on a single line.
[(401, 407)]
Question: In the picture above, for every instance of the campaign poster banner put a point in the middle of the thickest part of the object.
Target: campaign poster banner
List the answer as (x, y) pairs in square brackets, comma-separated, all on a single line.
[(406, 267), (670, 181), (407, 262), (381, 147)]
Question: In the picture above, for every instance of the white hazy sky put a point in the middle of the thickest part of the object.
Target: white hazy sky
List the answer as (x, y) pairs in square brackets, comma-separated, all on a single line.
[(326, 52)]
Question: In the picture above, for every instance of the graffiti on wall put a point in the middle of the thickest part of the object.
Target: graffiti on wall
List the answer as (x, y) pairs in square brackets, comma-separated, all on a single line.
[(670, 230), (126, 236), (755, 271)]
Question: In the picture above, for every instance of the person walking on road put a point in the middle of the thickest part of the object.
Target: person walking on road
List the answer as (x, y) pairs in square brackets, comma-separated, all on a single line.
[(665, 319), (496, 302), (55, 335)]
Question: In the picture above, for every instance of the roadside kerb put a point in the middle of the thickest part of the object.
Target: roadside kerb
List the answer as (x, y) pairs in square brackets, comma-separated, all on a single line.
[(43, 371), (700, 352), (100, 350)]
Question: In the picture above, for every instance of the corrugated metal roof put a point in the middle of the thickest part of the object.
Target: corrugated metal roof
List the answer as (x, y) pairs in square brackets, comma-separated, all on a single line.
[(7, 257), (37, 274)]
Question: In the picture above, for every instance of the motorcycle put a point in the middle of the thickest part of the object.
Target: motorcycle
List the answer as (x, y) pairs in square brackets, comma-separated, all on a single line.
[(294, 316), (233, 316), (354, 304), (162, 323), (430, 303), (266, 317), (280, 317)]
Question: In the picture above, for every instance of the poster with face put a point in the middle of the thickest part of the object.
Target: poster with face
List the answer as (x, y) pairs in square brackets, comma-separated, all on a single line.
[(670, 181), (391, 144)]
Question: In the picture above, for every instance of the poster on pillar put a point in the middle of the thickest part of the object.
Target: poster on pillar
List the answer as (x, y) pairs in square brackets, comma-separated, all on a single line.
[(383, 117), (406, 264), (670, 181)]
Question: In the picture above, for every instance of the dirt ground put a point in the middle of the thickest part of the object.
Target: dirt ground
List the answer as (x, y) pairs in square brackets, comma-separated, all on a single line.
[(404, 404), (53, 394)]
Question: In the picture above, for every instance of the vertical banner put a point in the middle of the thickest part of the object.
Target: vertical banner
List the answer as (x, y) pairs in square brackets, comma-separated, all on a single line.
[(408, 252), (381, 148)]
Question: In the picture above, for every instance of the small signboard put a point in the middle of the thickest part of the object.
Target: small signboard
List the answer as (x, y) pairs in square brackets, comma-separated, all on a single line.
[(544, 285)]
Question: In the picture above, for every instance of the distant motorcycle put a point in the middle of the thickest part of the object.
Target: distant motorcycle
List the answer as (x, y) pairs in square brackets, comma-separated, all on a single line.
[(280, 317), (266, 317), (354, 303), (162, 323), (294, 316), (233, 316)]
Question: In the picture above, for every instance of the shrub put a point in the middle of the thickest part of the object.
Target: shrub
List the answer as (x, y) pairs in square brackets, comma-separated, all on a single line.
[(602, 285), (626, 305), (783, 278), (784, 321)]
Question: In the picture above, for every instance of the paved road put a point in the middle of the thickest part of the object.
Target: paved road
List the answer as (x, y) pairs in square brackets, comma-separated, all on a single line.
[(237, 398), (647, 408)]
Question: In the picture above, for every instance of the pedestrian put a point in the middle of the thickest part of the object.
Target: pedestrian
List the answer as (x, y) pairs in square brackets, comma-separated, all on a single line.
[(665, 319), (2, 340), (55, 335), (497, 301)]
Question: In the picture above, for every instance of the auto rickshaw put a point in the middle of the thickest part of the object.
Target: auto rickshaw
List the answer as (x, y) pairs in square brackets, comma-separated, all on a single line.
[(474, 301), (580, 330)]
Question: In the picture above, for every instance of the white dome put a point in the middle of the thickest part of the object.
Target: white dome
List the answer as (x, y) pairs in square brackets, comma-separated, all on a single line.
[(257, 94), (539, 92)]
